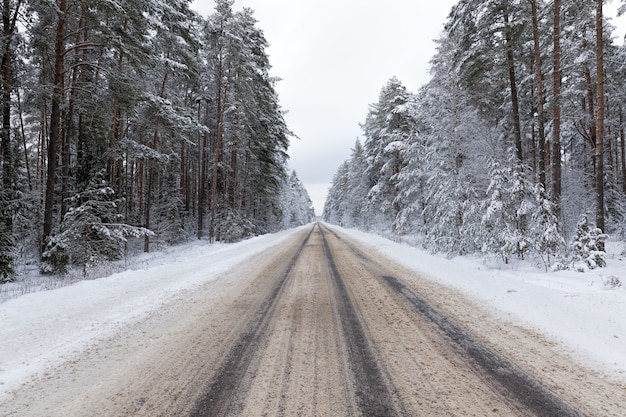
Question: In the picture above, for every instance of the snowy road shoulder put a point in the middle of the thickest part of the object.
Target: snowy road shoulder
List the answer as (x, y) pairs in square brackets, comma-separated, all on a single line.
[(41, 330), (575, 309)]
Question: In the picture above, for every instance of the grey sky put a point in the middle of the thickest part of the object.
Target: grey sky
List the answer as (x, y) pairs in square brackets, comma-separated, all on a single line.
[(333, 57)]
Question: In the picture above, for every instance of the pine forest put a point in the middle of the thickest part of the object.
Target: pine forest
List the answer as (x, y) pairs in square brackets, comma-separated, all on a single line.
[(514, 149), (129, 124)]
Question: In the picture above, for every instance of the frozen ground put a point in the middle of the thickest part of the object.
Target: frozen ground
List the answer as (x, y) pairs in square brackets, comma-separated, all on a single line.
[(41, 329)]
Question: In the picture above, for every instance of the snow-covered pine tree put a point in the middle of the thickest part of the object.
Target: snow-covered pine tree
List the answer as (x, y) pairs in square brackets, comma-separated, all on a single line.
[(7, 240), (11, 12), (357, 188), (236, 226), (547, 238), (336, 205), (588, 245), (489, 37), (450, 214), (174, 63), (347, 197), (388, 128), (494, 220), (297, 208), (452, 145), (171, 225), (249, 134), (508, 211), (411, 188), (92, 230)]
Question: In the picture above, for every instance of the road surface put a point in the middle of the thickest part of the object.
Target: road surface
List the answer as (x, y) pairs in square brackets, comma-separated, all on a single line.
[(320, 326)]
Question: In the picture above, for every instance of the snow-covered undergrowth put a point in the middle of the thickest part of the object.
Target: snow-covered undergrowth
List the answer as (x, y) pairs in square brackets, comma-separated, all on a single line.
[(30, 280)]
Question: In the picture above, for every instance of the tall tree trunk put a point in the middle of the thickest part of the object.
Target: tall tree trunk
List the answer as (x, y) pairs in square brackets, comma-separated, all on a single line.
[(517, 131), (7, 160), (202, 181), (609, 145), (556, 116), (152, 168), (589, 106), (114, 167), (55, 120), (599, 151), (218, 149), (150, 186), (589, 134), (9, 20), (141, 177), (533, 139), (540, 97), (233, 175), (42, 147), (69, 123), (24, 143), (148, 203), (183, 180), (622, 137)]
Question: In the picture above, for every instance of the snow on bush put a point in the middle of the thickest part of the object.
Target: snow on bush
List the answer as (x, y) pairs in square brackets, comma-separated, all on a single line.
[(612, 282), (91, 231), (588, 246)]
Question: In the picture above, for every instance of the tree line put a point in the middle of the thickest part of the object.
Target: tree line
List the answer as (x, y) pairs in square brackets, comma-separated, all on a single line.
[(127, 124), (515, 146)]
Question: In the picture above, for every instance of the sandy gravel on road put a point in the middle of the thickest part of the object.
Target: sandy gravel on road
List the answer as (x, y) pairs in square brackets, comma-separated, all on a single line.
[(280, 318), (303, 367), (591, 392), (155, 366)]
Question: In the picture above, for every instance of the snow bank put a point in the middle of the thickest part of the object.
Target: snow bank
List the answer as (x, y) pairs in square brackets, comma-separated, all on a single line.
[(40, 330)]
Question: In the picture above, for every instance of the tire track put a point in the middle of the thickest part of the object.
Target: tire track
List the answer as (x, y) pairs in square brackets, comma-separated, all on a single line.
[(503, 376), (373, 397), (370, 388), (216, 399), (304, 366)]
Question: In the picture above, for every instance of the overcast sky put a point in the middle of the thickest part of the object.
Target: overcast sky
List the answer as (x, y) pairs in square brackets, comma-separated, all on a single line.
[(334, 56)]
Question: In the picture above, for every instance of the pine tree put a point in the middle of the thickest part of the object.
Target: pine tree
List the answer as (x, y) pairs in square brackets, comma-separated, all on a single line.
[(297, 208), (508, 211), (92, 231), (588, 245), (388, 128), (451, 153), (556, 108), (7, 239), (358, 188), (337, 203), (489, 37), (600, 103), (548, 241), (250, 136)]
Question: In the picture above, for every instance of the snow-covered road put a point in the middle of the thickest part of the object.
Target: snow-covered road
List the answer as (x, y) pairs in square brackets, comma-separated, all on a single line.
[(41, 330), (46, 337)]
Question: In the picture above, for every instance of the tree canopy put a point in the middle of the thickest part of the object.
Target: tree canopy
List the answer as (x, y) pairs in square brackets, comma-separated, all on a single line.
[(131, 124), (518, 135)]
